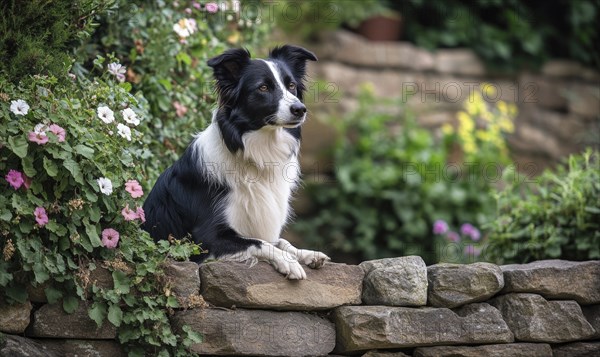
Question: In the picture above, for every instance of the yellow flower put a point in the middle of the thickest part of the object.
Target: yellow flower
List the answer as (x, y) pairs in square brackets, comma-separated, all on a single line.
[(502, 107), (506, 125), (489, 90), (447, 129), (469, 147), (465, 121)]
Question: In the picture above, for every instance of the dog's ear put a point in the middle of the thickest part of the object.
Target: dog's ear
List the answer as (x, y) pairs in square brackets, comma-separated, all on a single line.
[(295, 57), (227, 69)]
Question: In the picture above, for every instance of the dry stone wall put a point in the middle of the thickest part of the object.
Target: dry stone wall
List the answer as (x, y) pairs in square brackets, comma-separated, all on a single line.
[(559, 105), (387, 307)]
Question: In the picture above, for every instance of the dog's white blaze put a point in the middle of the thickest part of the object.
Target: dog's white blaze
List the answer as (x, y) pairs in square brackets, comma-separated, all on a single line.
[(287, 99), (261, 178)]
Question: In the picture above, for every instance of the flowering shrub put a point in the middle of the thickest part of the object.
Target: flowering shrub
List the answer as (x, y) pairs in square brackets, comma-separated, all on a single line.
[(80, 146), (393, 180)]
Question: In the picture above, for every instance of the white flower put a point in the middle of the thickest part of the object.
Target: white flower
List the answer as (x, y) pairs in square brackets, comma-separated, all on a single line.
[(116, 69), (124, 131), (106, 115), (105, 185), (130, 117), (40, 129), (19, 107), (185, 27)]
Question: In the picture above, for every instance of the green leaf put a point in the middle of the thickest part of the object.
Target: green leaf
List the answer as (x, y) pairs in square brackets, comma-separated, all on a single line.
[(121, 282), (18, 145), (115, 315), (51, 167), (28, 168), (97, 312), (85, 151), (41, 273), (92, 234), (70, 304), (172, 302), (53, 294), (17, 293), (75, 170), (184, 57), (126, 86)]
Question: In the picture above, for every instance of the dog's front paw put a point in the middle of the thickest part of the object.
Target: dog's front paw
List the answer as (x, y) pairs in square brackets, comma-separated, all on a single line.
[(313, 259), (290, 268)]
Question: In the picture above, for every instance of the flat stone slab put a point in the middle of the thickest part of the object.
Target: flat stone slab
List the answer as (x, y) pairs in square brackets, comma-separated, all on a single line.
[(52, 321), (258, 332), (395, 281), (17, 346), (535, 319), (361, 328), (87, 348), (555, 279), (577, 349), (15, 318), (452, 285), (377, 353), (227, 284), (504, 350)]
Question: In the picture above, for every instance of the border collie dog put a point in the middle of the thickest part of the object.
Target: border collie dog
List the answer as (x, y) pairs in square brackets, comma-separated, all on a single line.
[(231, 188)]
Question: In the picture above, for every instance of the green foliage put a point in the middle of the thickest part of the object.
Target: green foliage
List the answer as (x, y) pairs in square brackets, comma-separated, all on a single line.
[(36, 37), (508, 34), (557, 216), (391, 182)]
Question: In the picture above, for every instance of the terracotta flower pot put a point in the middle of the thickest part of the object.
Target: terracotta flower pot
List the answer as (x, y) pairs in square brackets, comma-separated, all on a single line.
[(382, 27)]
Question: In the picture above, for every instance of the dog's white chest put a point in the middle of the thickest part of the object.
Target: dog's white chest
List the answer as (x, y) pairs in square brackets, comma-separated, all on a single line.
[(262, 184)]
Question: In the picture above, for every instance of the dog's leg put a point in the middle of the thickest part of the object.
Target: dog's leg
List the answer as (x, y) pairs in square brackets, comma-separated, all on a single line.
[(230, 246), (311, 258)]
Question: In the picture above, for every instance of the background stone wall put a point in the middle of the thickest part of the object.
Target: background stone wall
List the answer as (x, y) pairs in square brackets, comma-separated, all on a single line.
[(559, 107), (386, 307)]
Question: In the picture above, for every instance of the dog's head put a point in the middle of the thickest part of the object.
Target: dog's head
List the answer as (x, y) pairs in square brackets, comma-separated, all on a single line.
[(262, 92)]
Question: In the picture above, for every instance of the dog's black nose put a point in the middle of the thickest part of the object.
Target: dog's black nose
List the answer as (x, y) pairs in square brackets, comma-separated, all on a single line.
[(298, 109)]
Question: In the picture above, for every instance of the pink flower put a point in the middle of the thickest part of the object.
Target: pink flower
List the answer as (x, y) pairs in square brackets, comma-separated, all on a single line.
[(469, 230), (14, 178), (134, 188), (39, 138), (40, 216), (180, 109), (196, 5), (141, 214), (58, 131), (110, 238), (129, 214), (211, 7), (471, 250)]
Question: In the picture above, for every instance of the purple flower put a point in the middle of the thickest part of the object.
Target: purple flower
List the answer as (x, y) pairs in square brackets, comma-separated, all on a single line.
[(440, 227), (211, 7), (468, 229), (453, 237)]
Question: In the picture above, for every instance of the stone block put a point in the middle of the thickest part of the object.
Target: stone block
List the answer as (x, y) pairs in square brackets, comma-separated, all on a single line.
[(566, 69), (592, 315), (543, 91), (184, 278), (452, 285), (584, 100), (459, 61), (17, 346), (52, 321), (534, 319), (376, 353), (227, 284), (504, 350), (577, 349), (87, 348), (361, 328), (555, 279), (258, 332), (15, 318), (395, 282)]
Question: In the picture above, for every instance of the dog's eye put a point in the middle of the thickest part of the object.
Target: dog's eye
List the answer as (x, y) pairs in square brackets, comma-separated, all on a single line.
[(263, 88), (292, 86)]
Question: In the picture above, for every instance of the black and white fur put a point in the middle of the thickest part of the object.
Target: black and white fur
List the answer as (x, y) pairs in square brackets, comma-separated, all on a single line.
[(231, 188)]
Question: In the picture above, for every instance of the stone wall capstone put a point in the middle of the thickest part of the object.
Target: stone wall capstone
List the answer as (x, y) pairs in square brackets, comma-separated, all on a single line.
[(542, 309)]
